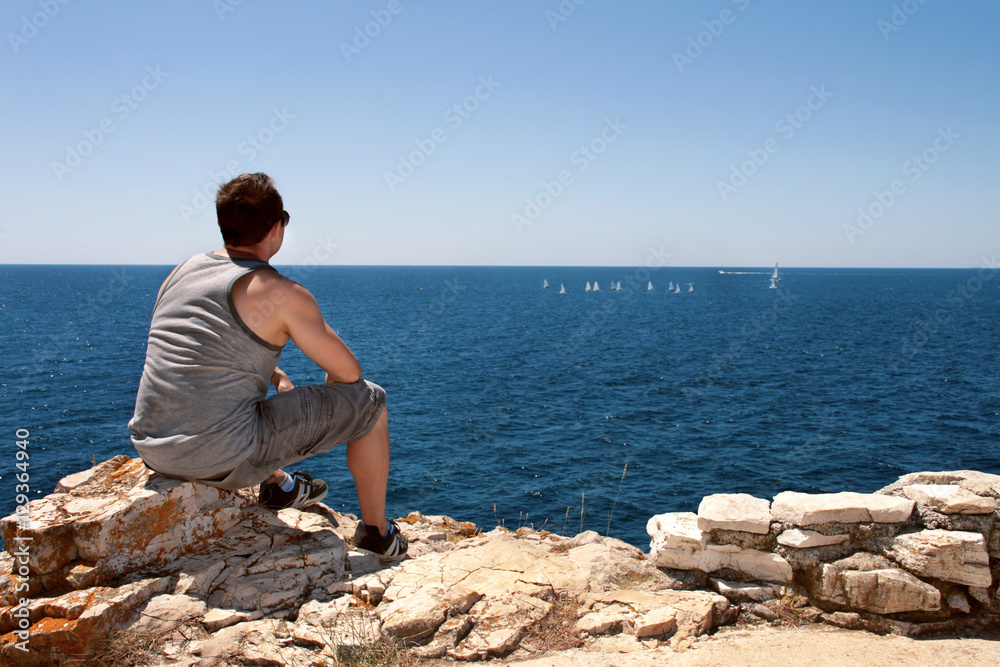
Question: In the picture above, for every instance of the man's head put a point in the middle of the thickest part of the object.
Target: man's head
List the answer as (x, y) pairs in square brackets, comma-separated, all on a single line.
[(248, 207)]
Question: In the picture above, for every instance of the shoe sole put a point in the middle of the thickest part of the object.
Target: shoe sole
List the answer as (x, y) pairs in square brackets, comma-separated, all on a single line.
[(312, 501)]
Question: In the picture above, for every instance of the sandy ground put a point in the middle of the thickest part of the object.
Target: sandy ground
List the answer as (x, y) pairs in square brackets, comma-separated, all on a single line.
[(810, 646)]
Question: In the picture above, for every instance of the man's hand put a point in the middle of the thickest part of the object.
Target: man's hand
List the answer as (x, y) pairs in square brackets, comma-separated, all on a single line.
[(281, 381)]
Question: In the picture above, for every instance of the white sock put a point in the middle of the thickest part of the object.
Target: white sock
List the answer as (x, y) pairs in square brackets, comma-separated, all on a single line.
[(288, 484)]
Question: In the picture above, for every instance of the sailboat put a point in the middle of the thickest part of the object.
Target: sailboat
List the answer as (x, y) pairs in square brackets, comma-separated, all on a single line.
[(650, 288), (677, 288), (588, 287), (596, 288), (545, 284), (690, 287), (670, 287), (562, 288), (616, 288), (774, 278)]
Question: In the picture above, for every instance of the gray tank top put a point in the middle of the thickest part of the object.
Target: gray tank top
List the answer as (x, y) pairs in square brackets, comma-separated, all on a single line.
[(206, 373)]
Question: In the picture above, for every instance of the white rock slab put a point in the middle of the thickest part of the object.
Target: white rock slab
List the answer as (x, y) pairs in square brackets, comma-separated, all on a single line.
[(886, 591), (676, 530), (950, 499), (757, 564), (806, 509), (950, 555), (735, 511), (806, 539), (741, 592)]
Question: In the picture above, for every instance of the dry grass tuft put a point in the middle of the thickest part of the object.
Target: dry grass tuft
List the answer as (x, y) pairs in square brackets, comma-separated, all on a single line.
[(128, 649), (557, 631), (355, 641)]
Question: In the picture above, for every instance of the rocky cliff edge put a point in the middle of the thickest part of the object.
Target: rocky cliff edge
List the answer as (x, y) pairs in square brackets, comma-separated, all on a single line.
[(119, 565)]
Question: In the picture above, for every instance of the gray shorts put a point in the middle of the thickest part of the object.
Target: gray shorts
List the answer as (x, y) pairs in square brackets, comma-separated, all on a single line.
[(303, 421)]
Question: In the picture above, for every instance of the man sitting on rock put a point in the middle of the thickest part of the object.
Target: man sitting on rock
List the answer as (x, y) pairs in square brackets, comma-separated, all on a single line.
[(219, 324)]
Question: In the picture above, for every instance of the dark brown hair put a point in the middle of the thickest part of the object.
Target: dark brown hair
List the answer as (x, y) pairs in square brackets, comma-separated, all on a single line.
[(247, 207)]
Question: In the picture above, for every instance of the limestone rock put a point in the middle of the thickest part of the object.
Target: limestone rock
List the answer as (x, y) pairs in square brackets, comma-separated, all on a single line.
[(166, 612), (123, 517), (498, 625), (805, 539), (958, 601), (601, 622), (76, 624), (757, 564), (415, 617), (949, 555), (659, 621), (676, 530), (734, 511), (869, 584), (683, 614), (263, 642), (217, 618), (807, 509), (979, 483), (740, 592), (950, 499), (889, 592)]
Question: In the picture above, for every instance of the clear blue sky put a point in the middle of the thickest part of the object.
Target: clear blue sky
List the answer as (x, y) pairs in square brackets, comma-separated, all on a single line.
[(833, 99)]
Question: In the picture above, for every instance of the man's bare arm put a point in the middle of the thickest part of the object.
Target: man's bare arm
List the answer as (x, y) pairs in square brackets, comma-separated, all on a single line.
[(304, 323)]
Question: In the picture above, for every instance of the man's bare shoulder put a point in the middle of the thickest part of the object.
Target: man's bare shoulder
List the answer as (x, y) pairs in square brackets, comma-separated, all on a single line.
[(270, 284)]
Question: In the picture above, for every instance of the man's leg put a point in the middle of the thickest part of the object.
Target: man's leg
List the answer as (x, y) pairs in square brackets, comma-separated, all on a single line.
[(276, 477), (368, 461)]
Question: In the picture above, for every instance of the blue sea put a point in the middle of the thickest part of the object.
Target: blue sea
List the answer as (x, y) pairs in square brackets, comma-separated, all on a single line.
[(511, 403)]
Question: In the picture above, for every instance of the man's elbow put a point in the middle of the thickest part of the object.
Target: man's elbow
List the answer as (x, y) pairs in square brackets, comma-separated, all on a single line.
[(346, 375)]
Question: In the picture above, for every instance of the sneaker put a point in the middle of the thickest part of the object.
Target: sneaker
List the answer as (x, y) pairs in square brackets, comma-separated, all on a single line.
[(369, 538), (307, 491)]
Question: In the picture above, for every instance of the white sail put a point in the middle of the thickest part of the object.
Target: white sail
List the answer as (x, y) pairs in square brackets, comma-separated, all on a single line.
[(670, 287), (677, 288), (690, 287), (774, 283), (619, 286), (596, 288), (545, 284), (588, 286), (650, 288), (774, 276), (562, 288)]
